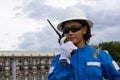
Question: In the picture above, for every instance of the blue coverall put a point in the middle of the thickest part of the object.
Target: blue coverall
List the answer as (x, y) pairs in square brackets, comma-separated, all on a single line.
[(84, 66)]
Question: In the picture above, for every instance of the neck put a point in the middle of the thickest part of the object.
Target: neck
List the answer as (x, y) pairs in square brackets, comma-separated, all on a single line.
[(80, 44)]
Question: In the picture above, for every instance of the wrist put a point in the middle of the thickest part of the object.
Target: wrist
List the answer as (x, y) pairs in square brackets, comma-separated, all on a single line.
[(63, 62), (64, 59)]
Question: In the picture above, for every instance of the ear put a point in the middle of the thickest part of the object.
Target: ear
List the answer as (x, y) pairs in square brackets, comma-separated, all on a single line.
[(84, 30)]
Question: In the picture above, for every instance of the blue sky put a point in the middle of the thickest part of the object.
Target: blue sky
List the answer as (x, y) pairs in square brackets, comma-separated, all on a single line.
[(24, 27)]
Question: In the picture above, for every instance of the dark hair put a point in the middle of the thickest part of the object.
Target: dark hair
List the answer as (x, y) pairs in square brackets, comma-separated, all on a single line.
[(88, 34)]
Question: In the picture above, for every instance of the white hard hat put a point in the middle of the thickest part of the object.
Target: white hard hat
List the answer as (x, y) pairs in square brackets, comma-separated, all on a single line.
[(73, 13)]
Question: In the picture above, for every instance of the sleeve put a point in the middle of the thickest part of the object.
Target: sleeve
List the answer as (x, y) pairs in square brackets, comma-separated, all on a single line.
[(58, 71), (111, 70)]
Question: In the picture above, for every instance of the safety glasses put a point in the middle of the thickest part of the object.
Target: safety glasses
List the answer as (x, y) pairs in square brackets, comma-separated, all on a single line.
[(73, 29)]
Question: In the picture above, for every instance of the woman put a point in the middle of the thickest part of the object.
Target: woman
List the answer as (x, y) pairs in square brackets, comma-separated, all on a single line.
[(77, 60)]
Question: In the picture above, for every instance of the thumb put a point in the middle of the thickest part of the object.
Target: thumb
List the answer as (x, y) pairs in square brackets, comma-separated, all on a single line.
[(62, 41)]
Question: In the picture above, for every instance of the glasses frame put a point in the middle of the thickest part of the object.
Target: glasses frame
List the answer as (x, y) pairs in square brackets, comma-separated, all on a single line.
[(72, 29)]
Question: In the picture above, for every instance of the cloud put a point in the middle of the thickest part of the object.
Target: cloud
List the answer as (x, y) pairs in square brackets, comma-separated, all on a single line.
[(60, 3), (104, 14), (105, 35), (38, 9), (46, 40)]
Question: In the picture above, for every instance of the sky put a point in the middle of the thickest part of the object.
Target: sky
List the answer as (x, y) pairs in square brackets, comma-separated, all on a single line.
[(23, 24)]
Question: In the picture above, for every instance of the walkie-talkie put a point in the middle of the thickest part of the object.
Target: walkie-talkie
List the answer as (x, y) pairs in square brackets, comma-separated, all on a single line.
[(60, 36)]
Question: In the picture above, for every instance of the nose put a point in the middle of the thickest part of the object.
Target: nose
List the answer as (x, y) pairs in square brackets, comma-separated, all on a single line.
[(70, 32)]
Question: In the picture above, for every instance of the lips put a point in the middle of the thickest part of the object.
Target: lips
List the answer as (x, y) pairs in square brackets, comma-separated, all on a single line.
[(71, 38)]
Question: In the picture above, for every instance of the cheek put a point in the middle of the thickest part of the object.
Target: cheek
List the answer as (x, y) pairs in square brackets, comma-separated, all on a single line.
[(79, 35), (78, 38)]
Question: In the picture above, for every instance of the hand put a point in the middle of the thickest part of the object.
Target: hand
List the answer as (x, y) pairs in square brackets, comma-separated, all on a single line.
[(66, 48)]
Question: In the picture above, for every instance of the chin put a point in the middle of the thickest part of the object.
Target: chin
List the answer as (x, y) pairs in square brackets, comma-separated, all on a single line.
[(74, 42)]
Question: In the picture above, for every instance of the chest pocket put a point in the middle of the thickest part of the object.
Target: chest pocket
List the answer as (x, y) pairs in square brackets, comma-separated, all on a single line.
[(93, 71)]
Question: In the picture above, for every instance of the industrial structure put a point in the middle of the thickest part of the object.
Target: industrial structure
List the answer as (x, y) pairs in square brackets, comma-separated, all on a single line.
[(25, 65)]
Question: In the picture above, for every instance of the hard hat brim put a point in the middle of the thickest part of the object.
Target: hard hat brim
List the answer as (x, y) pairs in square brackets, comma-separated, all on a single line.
[(60, 28)]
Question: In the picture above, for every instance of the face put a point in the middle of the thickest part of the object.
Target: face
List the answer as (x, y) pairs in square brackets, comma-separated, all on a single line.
[(74, 31)]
